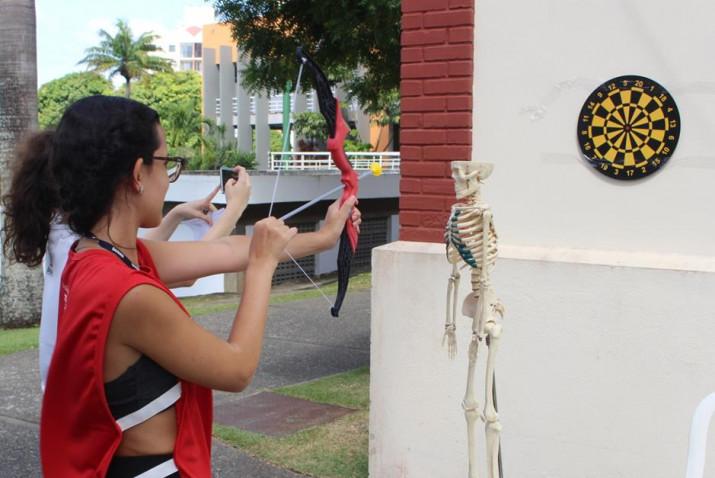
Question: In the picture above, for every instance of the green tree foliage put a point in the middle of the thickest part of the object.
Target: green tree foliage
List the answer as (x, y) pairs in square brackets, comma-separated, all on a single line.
[(354, 143), (311, 126), (56, 95), (176, 96), (123, 55), (356, 42), (277, 140), (216, 150)]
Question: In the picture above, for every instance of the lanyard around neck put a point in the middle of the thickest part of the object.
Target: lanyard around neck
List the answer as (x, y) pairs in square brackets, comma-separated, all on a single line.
[(111, 248)]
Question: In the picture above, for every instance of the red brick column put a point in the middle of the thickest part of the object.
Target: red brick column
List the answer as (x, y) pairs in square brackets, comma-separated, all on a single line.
[(436, 118)]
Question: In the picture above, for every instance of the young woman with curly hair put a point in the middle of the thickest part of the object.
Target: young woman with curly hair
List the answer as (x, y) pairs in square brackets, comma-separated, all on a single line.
[(129, 388)]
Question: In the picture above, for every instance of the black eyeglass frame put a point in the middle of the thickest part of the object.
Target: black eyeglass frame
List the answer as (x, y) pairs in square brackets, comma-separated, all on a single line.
[(181, 162)]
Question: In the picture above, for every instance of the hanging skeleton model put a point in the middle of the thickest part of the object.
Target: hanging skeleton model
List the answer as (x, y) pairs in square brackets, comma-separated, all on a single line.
[(471, 238)]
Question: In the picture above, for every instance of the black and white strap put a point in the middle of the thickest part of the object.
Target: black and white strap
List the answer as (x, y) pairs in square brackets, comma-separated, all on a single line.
[(156, 406), (162, 470)]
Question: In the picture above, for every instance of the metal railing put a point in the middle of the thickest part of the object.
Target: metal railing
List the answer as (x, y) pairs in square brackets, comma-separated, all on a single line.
[(317, 160), (275, 105)]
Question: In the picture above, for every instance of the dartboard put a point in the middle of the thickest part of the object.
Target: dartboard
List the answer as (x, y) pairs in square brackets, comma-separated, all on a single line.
[(628, 127)]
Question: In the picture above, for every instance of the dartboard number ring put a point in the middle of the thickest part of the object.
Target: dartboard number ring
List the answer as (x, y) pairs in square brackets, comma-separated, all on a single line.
[(628, 127)]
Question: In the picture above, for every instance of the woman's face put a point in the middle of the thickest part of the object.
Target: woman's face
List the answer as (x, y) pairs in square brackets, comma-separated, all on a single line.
[(156, 184)]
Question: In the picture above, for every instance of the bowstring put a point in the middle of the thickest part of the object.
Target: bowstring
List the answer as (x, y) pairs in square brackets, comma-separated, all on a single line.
[(311, 280), (275, 188)]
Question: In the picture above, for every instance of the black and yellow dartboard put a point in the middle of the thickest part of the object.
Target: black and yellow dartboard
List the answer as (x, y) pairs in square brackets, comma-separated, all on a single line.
[(628, 127)]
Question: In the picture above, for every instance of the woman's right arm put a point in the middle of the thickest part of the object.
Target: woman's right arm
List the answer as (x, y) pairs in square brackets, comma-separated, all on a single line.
[(177, 262), (152, 323)]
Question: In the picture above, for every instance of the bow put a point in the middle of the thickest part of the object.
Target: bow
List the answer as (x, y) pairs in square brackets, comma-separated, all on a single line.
[(337, 131)]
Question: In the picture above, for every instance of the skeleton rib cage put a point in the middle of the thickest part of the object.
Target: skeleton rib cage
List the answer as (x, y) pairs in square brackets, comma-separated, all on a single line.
[(465, 233)]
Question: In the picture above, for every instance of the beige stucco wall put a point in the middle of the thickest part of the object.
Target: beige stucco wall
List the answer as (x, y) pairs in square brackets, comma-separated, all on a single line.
[(603, 360)]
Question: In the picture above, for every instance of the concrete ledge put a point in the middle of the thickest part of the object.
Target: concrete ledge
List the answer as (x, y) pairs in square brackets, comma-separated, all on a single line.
[(641, 260)]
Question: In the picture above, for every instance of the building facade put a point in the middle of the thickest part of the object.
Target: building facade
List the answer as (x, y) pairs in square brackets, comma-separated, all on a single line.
[(184, 44)]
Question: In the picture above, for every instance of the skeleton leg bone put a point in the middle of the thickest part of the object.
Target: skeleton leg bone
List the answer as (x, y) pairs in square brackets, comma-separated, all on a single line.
[(491, 417), (471, 407)]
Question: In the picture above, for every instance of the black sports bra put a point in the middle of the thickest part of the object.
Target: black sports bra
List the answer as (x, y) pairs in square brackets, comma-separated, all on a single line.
[(145, 389)]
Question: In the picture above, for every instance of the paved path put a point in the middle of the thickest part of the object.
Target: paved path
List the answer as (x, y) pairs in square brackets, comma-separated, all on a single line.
[(302, 343)]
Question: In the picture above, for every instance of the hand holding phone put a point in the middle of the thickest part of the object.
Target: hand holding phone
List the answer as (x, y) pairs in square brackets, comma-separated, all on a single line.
[(226, 174)]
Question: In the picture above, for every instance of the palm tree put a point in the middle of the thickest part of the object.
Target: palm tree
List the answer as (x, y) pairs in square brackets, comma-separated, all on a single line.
[(122, 54), (20, 286)]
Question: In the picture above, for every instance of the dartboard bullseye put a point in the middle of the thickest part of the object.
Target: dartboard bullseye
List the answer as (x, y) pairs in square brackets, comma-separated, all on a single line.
[(628, 127)]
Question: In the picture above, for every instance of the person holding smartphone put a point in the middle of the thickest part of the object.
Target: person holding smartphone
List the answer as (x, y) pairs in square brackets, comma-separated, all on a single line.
[(61, 238)]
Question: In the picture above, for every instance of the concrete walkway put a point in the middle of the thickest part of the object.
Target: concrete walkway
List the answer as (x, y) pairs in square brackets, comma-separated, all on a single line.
[(302, 343)]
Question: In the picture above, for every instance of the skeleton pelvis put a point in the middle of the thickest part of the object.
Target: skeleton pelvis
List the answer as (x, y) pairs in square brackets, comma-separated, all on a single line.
[(482, 304), (470, 304)]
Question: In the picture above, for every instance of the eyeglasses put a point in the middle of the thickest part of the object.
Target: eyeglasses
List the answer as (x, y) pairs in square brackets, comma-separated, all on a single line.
[(175, 170)]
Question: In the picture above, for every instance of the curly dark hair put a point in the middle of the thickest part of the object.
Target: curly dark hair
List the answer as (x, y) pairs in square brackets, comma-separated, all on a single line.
[(75, 171)]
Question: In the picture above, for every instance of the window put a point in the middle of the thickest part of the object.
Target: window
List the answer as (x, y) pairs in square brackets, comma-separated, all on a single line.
[(187, 50), (197, 65), (197, 50), (186, 65), (172, 48)]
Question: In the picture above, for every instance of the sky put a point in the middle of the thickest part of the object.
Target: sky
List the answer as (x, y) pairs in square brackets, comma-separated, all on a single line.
[(65, 28)]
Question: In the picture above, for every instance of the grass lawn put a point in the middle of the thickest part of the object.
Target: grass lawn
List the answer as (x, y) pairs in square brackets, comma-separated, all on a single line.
[(15, 340), (213, 303), (335, 450)]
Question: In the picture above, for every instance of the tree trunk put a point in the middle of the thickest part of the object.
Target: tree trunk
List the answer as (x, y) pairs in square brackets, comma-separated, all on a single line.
[(20, 286), (128, 87)]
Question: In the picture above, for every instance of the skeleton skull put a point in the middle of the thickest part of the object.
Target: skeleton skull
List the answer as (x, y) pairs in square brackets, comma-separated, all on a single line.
[(467, 176)]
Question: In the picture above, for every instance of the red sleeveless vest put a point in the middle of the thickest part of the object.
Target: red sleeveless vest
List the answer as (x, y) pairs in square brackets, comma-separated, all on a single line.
[(78, 435)]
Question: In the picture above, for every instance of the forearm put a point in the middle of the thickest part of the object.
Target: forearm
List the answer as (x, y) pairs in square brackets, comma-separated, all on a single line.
[(164, 230), (305, 244), (308, 243), (224, 225), (249, 325)]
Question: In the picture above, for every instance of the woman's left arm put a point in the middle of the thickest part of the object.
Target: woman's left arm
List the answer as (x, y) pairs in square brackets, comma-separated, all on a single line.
[(199, 208)]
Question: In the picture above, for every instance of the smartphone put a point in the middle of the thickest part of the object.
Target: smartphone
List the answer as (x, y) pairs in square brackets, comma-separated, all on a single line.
[(226, 174)]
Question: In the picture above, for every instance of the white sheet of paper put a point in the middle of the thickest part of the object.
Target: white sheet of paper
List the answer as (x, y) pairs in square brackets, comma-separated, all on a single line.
[(199, 227)]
